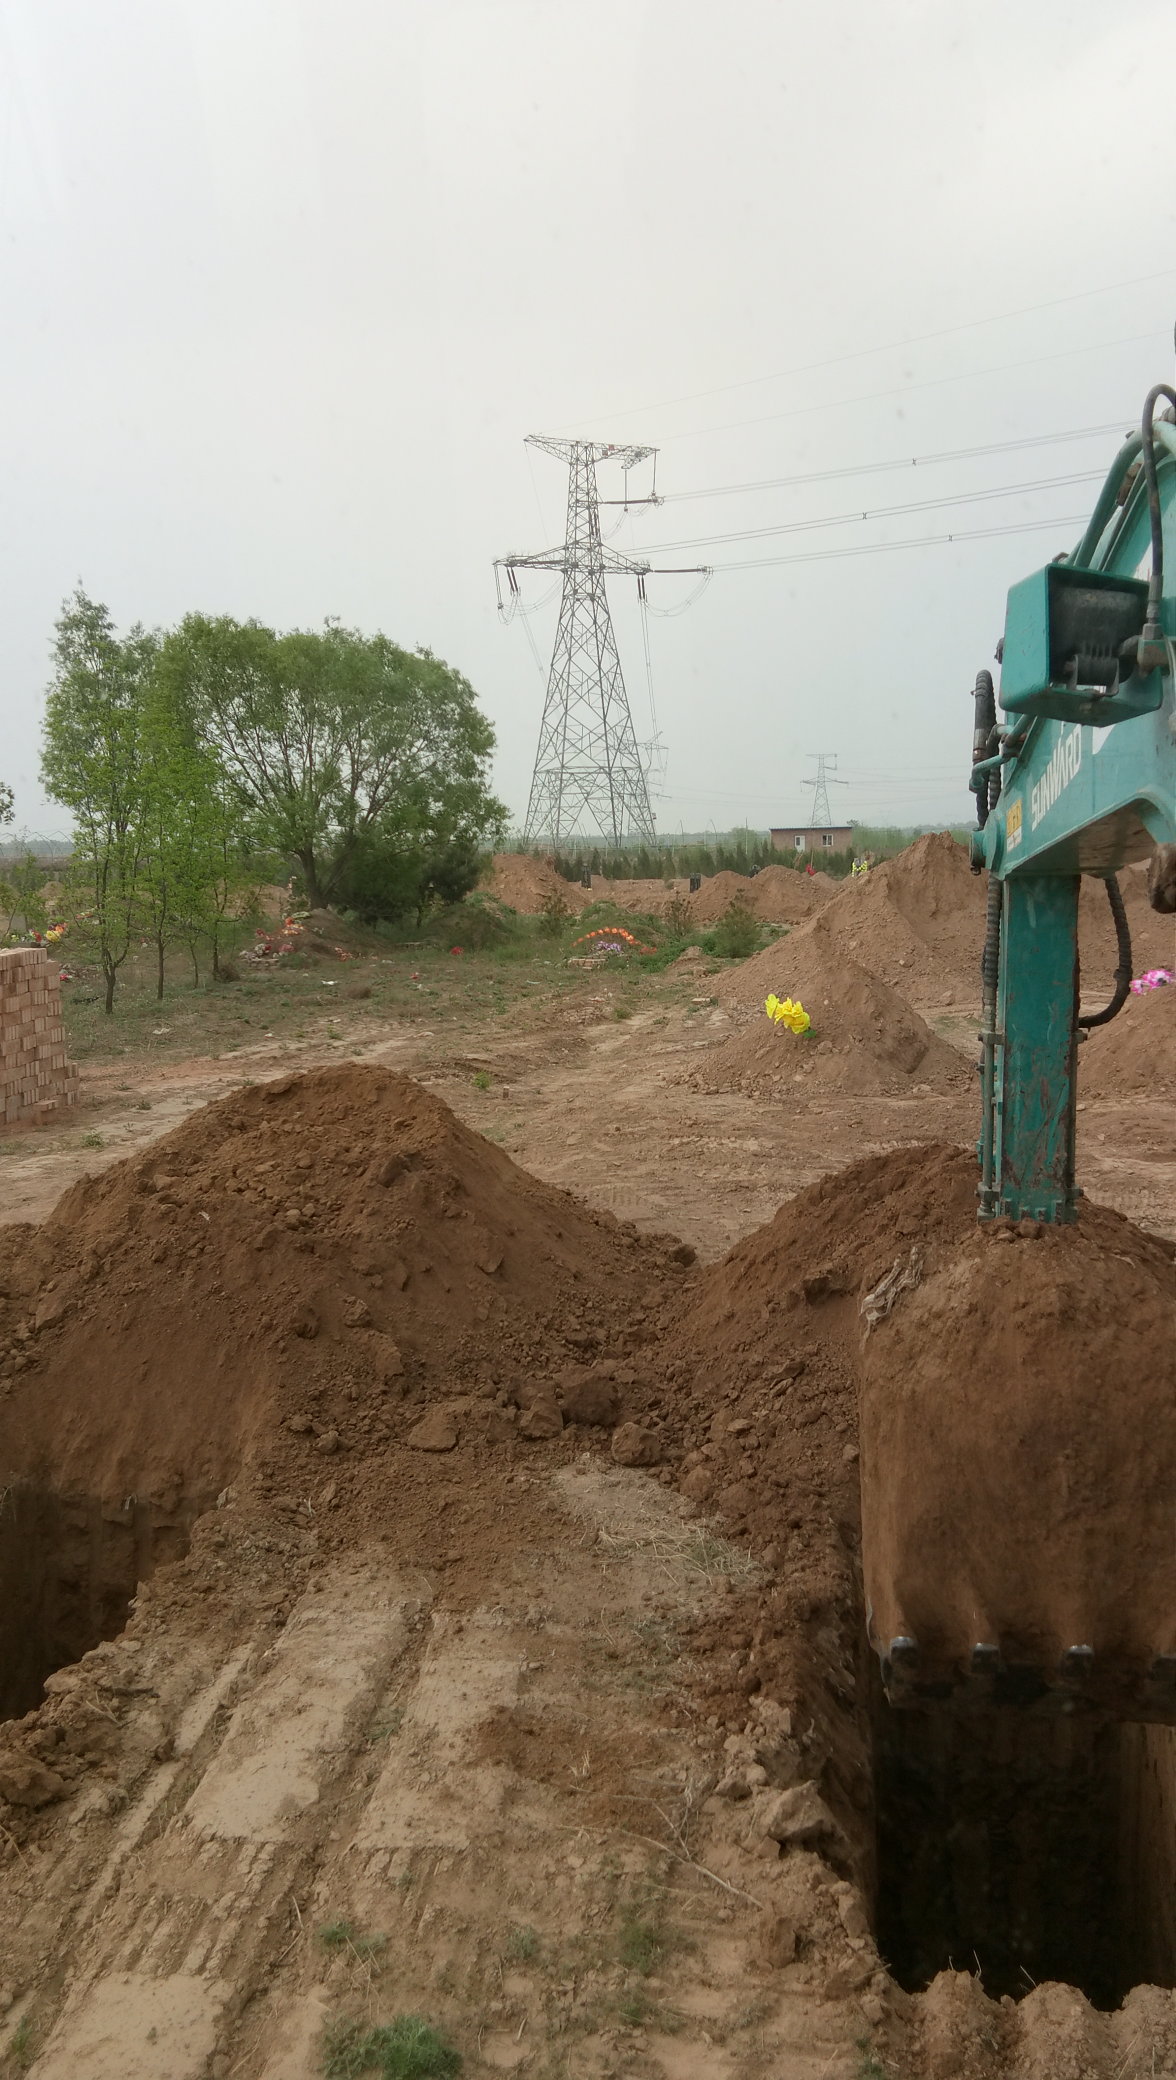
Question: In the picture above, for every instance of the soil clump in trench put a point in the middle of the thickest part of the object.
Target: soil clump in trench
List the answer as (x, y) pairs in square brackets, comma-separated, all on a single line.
[(315, 1291)]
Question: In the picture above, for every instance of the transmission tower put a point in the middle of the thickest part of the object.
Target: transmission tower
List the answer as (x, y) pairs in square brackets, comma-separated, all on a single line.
[(826, 771), (588, 773)]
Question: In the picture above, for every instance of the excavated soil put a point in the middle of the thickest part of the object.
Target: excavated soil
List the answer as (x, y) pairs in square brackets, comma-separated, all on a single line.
[(1136, 1054), (777, 895), (865, 1037), (341, 1238), (916, 921), (525, 884), (527, 1531)]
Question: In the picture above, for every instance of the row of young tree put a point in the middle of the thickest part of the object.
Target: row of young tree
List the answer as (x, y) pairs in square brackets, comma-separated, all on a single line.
[(738, 851), (202, 761)]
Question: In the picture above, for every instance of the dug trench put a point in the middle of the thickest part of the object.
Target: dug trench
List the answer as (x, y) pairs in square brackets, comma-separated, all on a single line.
[(456, 1522)]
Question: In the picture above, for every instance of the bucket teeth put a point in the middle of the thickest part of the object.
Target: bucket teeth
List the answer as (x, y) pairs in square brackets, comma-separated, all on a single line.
[(985, 1658), (1077, 1664), (904, 1652)]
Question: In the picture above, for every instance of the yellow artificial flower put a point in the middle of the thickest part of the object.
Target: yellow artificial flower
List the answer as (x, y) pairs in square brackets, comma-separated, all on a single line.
[(782, 1011)]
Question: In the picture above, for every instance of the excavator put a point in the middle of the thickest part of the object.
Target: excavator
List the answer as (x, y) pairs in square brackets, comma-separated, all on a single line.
[(1076, 775)]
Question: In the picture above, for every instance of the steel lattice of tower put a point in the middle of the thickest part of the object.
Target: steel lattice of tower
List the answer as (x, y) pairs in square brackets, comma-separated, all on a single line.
[(588, 774), (826, 771)]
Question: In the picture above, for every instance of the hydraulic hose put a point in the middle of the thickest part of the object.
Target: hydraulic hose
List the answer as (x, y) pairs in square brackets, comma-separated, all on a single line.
[(1151, 642), (1123, 971), (983, 734), (982, 727)]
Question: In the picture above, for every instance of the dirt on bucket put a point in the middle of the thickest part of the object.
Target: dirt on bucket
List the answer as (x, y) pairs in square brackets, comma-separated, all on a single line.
[(1018, 1442)]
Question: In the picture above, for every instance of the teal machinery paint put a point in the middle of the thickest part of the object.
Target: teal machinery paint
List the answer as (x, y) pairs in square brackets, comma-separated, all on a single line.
[(1080, 779)]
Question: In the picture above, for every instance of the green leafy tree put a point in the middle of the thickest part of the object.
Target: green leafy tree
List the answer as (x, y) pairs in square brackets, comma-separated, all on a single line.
[(194, 840), (223, 885), (7, 803), (92, 762), (365, 762), (21, 895)]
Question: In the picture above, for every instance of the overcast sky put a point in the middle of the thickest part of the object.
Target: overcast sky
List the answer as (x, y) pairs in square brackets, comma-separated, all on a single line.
[(285, 286)]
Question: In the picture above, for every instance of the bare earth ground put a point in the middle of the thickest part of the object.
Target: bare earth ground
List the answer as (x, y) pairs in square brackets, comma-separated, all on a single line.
[(583, 1100), (488, 1798)]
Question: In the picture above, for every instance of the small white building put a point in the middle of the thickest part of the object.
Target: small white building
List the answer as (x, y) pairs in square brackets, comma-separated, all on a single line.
[(813, 837)]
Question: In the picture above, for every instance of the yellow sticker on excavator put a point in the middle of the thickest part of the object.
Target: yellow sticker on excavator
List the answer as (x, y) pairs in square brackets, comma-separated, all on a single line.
[(1013, 825)]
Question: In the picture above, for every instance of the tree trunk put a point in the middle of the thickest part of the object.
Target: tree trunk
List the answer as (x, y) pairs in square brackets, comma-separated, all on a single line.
[(195, 965), (215, 958), (314, 898), (109, 971), (159, 977)]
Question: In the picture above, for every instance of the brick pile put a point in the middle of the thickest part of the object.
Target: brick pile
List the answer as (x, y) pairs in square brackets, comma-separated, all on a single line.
[(37, 1077)]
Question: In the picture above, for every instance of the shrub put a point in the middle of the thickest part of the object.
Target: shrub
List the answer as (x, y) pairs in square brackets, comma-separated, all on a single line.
[(555, 912), (341, 1935), (678, 915), (738, 930), (639, 1945), (407, 2048), (522, 1943)]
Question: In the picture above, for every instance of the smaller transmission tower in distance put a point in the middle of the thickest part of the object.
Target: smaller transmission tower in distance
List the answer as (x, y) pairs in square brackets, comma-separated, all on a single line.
[(588, 774), (826, 771)]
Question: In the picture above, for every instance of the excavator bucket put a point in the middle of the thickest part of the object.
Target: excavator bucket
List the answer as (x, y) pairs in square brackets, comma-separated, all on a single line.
[(1018, 1465)]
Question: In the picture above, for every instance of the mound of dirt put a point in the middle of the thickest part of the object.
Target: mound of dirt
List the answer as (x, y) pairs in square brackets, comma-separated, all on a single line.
[(525, 884), (918, 921), (294, 1271), (1136, 1054), (782, 895), (866, 1038), (778, 895)]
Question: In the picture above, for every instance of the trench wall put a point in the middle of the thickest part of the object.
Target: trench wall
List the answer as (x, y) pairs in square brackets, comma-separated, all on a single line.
[(69, 1566), (1032, 1847), (37, 1077), (1149, 1846)]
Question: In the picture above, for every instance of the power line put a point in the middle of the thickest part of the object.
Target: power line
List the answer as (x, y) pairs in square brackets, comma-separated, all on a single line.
[(922, 505), (998, 368), (868, 469), (890, 346), (927, 541)]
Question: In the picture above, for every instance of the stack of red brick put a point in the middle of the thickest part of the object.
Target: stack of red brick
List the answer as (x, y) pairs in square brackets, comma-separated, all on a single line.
[(37, 1077)]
